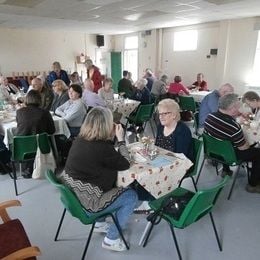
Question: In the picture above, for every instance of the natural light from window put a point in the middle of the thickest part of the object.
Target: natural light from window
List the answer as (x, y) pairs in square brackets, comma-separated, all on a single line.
[(253, 78), (185, 40), (131, 56)]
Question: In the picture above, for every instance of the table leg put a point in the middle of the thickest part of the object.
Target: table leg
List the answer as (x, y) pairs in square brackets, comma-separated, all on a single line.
[(54, 147), (148, 225)]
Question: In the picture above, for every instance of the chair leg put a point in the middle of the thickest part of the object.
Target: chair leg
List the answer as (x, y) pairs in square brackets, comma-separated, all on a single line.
[(61, 220), (194, 183), (151, 125), (233, 183), (148, 233), (88, 241), (119, 230), (215, 231), (201, 167), (15, 178), (175, 241)]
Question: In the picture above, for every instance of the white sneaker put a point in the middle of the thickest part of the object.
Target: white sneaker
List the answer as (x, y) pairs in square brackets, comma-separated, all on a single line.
[(118, 245), (101, 227)]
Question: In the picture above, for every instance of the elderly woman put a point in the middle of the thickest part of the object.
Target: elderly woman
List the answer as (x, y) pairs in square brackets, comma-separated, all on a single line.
[(10, 88), (173, 134), (73, 110), (60, 94), (107, 93), (142, 93), (177, 88), (91, 172), (252, 99), (31, 120)]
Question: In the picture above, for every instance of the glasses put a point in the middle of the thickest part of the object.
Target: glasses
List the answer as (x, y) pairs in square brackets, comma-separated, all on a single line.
[(164, 114)]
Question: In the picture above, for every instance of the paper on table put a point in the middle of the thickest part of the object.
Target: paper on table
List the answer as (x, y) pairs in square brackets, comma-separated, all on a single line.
[(139, 158), (161, 161)]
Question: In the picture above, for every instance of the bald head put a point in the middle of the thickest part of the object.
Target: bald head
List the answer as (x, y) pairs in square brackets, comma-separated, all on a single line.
[(89, 84), (37, 84), (226, 89)]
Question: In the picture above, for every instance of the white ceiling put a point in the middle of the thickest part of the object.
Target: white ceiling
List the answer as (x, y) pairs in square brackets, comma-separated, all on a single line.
[(119, 16)]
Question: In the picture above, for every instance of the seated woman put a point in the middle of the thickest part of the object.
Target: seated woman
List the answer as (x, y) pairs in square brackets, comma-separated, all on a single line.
[(200, 84), (252, 99), (91, 172), (60, 94), (32, 120), (142, 93), (73, 111), (173, 134), (107, 93), (177, 87)]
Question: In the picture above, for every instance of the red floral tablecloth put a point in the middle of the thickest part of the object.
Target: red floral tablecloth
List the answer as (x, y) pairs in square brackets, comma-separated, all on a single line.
[(159, 176)]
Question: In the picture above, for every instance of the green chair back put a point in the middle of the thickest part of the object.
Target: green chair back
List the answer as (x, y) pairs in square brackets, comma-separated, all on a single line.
[(25, 147), (143, 114), (199, 205), (219, 150), (187, 103), (197, 149), (70, 201)]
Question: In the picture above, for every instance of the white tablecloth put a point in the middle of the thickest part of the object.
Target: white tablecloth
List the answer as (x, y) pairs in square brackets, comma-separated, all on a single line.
[(159, 176), (10, 124), (199, 95)]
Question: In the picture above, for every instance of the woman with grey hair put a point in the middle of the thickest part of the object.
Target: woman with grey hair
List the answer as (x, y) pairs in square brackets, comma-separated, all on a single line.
[(60, 94), (91, 172), (173, 134), (142, 93)]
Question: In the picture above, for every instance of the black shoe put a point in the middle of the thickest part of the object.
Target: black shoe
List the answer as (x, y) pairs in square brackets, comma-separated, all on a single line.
[(27, 174), (226, 172), (140, 130)]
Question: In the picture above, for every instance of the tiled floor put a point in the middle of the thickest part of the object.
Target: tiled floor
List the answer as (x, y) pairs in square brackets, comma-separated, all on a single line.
[(237, 221)]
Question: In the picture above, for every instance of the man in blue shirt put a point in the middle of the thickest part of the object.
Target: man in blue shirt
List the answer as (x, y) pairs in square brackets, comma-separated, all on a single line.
[(209, 103)]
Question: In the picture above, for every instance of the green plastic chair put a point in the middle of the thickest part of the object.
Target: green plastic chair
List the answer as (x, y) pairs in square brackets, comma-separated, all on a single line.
[(24, 149), (194, 170), (73, 205), (187, 103), (199, 205), (221, 151), (143, 114)]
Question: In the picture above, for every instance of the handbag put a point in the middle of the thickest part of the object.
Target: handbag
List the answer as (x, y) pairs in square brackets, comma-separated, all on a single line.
[(172, 206), (42, 162)]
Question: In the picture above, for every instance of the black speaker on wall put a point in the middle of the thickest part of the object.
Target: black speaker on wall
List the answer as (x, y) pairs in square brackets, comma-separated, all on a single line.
[(100, 40), (213, 51)]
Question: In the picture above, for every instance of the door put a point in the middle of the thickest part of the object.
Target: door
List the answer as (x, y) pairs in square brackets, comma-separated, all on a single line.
[(116, 68)]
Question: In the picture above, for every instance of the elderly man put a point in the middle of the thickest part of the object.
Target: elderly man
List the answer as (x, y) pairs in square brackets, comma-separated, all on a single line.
[(90, 98), (209, 103), (58, 73), (222, 125), (125, 86), (94, 74), (142, 93), (45, 92), (159, 86)]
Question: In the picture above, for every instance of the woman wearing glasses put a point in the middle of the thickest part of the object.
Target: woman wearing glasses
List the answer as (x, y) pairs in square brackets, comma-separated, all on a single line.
[(173, 134)]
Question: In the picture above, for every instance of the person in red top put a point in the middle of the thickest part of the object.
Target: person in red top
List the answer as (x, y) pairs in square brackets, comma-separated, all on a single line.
[(177, 87), (94, 74), (200, 84)]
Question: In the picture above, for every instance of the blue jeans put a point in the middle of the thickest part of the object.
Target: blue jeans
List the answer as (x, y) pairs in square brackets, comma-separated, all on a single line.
[(125, 203)]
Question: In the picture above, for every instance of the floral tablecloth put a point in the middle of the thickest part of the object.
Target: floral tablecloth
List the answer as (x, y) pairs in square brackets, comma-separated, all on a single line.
[(252, 135), (125, 106), (158, 176)]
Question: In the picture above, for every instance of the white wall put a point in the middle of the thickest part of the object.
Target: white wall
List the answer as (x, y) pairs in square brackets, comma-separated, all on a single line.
[(34, 50), (235, 40)]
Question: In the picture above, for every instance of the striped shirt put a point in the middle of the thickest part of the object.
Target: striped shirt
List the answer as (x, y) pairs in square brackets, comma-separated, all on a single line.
[(224, 127)]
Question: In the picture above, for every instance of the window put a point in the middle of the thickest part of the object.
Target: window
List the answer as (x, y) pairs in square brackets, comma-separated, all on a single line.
[(256, 68), (185, 40), (131, 56)]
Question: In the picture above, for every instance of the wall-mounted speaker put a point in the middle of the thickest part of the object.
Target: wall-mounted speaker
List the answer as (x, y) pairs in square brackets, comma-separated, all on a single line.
[(100, 39), (213, 51)]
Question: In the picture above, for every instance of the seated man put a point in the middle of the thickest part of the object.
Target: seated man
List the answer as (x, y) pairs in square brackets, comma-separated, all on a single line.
[(89, 97), (200, 84), (209, 103), (222, 125), (160, 86), (125, 87)]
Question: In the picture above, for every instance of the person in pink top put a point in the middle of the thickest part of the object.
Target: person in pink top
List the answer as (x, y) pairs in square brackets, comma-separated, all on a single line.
[(177, 88)]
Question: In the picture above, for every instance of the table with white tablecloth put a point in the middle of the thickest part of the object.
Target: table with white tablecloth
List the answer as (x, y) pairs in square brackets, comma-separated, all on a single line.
[(198, 95)]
